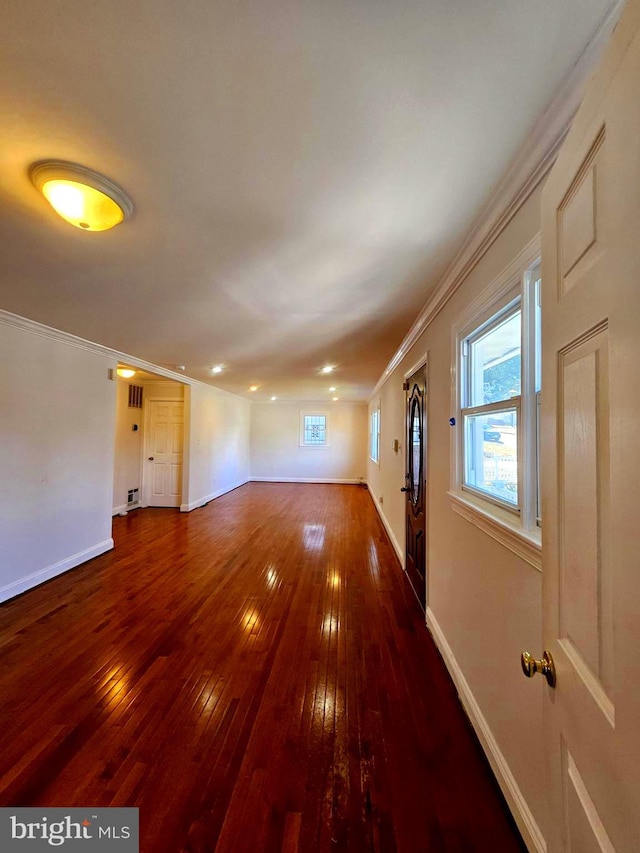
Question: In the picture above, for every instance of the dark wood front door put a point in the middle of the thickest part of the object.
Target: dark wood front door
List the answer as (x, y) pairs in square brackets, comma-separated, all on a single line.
[(415, 484)]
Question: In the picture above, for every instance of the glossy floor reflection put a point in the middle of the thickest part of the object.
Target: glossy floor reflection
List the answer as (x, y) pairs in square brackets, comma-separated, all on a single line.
[(254, 676)]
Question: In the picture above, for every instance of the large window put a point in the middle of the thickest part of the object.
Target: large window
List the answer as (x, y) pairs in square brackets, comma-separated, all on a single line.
[(314, 429), (374, 435), (497, 397)]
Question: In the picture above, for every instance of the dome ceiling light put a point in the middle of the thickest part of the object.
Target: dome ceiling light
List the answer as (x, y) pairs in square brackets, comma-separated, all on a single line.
[(125, 372), (84, 198)]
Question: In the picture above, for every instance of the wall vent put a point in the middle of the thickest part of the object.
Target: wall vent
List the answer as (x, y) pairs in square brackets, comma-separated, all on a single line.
[(132, 497), (135, 396)]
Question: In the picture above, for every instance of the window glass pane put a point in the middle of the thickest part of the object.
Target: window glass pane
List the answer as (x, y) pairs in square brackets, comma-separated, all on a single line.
[(315, 429), (375, 435), (491, 454), (495, 363), (415, 449)]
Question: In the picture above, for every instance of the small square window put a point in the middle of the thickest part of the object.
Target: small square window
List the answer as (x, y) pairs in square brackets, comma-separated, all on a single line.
[(314, 430)]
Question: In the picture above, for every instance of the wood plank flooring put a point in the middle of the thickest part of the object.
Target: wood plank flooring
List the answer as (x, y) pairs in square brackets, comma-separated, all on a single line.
[(254, 676)]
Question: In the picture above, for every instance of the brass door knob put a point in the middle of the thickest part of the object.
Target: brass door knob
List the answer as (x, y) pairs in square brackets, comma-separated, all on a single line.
[(545, 666)]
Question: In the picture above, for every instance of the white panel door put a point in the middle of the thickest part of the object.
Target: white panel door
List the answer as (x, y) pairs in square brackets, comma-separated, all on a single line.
[(591, 462), (163, 475)]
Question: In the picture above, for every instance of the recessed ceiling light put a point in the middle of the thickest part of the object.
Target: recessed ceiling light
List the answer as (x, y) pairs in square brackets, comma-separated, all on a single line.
[(274, 398), (253, 388), (334, 399), (327, 368), (333, 388), (84, 198), (125, 372), (217, 369)]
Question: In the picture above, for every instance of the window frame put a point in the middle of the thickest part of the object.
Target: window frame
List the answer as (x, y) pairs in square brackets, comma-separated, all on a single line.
[(314, 413), (374, 414), (517, 527)]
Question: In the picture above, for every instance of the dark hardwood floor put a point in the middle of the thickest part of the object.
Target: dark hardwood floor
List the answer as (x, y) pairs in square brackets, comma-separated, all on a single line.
[(254, 676)]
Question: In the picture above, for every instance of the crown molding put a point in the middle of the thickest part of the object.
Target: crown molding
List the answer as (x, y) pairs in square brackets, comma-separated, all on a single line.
[(325, 402), (35, 328), (18, 322), (530, 166)]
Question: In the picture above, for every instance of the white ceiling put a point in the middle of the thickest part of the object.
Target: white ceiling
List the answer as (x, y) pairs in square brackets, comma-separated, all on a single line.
[(302, 172)]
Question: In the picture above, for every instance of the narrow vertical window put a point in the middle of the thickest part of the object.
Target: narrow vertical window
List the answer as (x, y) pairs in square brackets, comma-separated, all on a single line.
[(374, 435)]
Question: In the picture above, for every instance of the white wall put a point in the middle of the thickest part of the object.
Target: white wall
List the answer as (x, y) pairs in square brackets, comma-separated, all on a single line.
[(128, 447), (275, 436), (56, 457), (484, 602), (156, 389), (217, 446)]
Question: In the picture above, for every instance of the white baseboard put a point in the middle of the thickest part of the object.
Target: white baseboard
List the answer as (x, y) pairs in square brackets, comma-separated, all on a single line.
[(387, 527), (527, 825), (35, 579), (355, 482), (205, 500), (125, 509)]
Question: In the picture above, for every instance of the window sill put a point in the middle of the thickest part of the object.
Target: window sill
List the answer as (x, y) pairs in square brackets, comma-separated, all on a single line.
[(527, 545)]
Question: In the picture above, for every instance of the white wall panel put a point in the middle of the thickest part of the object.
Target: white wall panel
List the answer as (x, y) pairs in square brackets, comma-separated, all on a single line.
[(57, 432), (275, 438)]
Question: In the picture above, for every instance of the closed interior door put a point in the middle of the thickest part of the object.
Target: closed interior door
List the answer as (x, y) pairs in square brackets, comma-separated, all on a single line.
[(415, 485), (163, 475), (591, 462)]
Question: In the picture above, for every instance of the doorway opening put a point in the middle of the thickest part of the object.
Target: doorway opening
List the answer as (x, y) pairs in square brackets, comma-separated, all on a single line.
[(149, 441)]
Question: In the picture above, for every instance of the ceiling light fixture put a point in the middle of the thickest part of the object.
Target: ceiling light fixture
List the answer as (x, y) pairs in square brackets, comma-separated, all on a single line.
[(125, 372), (335, 399), (274, 398), (253, 388), (327, 368), (216, 369), (333, 388), (84, 198)]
